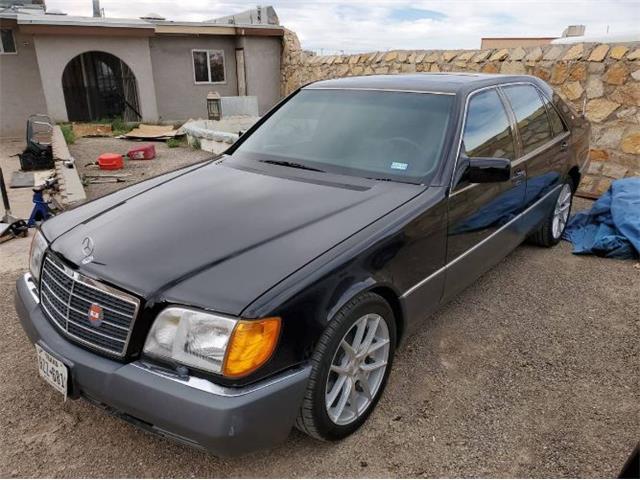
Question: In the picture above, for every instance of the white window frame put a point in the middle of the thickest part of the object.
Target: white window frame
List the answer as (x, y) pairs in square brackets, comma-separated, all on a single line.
[(2, 52), (208, 51)]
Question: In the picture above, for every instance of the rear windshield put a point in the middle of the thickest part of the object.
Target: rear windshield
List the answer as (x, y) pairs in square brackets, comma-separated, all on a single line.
[(373, 134)]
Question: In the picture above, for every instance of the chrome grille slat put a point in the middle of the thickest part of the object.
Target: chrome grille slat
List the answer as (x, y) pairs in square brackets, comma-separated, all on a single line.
[(66, 297), (64, 302), (58, 308), (53, 317), (103, 306), (104, 322), (79, 325)]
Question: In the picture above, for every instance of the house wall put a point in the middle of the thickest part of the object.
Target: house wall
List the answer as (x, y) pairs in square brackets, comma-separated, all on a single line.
[(55, 51), (604, 80), (179, 98), (21, 92), (262, 60)]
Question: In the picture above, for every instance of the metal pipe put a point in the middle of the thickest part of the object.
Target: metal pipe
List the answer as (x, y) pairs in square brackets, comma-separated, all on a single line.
[(5, 197), (96, 9)]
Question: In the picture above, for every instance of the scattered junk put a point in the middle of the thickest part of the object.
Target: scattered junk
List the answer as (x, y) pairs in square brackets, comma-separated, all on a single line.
[(92, 179), (10, 226), (145, 152), (38, 154), (49, 170), (151, 132), (110, 161), (115, 161), (42, 209), (612, 227), (31, 179)]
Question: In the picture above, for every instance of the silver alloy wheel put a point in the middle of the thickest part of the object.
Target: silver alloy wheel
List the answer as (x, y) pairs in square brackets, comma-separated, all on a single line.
[(561, 212), (357, 369)]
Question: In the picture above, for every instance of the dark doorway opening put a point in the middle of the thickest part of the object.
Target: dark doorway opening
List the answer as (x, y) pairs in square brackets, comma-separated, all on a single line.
[(98, 85)]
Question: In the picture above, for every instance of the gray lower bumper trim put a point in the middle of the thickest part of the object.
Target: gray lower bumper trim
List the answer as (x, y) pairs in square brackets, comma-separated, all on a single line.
[(225, 421)]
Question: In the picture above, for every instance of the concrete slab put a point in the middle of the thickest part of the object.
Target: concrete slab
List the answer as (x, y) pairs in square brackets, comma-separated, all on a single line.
[(59, 145), (245, 106), (71, 188)]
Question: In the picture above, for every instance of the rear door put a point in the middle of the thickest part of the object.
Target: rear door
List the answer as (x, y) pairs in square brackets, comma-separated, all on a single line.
[(478, 210), (543, 139)]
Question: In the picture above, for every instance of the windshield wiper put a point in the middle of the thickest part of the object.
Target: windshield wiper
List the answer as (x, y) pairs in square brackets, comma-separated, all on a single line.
[(389, 180), (285, 163)]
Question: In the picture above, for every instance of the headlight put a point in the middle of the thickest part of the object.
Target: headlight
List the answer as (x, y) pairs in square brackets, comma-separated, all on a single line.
[(38, 247), (212, 342)]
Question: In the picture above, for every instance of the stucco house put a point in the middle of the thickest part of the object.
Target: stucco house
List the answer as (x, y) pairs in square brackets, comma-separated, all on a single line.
[(146, 69)]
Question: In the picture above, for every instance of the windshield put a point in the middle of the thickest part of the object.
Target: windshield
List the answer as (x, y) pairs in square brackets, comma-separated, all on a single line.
[(373, 134)]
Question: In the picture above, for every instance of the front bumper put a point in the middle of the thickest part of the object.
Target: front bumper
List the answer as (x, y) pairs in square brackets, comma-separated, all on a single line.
[(224, 421)]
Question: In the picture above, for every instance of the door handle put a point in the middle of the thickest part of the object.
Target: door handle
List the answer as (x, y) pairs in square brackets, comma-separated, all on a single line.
[(518, 176), (564, 146)]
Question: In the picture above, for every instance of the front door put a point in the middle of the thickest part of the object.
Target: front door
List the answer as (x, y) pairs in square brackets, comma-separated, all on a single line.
[(478, 211)]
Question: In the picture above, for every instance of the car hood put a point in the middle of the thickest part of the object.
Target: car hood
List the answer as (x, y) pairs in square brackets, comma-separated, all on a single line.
[(220, 235)]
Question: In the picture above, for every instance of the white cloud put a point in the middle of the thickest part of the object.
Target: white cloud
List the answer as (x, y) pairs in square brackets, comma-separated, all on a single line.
[(365, 25)]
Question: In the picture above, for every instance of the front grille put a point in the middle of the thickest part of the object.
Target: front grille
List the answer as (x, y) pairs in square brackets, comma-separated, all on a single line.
[(67, 297)]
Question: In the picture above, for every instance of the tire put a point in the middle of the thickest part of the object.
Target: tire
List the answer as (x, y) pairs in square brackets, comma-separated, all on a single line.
[(550, 233), (316, 418)]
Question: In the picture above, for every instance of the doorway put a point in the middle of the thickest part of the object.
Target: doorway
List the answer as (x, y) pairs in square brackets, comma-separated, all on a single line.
[(97, 86)]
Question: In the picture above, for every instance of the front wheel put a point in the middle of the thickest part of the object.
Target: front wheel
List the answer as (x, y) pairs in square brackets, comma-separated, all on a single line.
[(350, 368), (550, 232)]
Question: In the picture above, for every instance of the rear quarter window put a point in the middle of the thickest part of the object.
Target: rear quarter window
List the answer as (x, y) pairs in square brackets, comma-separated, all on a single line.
[(556, 122), (531, 116)]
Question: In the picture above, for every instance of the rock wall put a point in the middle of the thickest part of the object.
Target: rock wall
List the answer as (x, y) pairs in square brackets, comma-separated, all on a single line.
[(604, 80)]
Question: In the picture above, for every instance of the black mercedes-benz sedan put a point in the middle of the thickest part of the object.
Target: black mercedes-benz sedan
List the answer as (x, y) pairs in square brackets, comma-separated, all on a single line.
[(223, 303)]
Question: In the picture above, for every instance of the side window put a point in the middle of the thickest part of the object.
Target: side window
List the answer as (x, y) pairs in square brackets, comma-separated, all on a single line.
[(487, 132), (531, 115), (208, 66), (7, 42), (556, 122)]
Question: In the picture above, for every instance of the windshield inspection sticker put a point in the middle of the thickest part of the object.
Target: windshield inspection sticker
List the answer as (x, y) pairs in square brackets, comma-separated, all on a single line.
[(399, 166)]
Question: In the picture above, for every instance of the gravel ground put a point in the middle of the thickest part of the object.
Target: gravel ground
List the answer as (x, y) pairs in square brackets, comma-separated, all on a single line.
[(531, 372), (86, 150)]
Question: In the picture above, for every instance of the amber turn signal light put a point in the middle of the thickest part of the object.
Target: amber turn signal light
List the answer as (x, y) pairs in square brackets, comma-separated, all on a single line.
[(251, 345)]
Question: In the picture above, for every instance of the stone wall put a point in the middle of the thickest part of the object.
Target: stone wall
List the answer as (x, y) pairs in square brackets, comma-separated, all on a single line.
[(602, 79)]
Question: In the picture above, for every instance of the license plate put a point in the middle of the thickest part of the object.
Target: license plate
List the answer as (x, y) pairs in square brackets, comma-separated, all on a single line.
[(52, 370)]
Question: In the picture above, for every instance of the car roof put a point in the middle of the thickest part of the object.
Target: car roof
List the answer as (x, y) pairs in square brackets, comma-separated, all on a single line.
[(451, 83)]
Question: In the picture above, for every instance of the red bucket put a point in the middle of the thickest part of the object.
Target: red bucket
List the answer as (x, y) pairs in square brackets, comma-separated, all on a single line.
[(110, 161), (145, 152)]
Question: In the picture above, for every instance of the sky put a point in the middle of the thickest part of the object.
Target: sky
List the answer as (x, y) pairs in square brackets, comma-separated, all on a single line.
[(331, 26)]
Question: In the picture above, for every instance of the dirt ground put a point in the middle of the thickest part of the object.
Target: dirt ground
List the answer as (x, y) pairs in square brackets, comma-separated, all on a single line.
[(531, 372), (87, 150)]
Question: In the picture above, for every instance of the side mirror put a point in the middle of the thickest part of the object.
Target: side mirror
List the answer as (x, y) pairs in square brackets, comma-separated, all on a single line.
[(488, 169)]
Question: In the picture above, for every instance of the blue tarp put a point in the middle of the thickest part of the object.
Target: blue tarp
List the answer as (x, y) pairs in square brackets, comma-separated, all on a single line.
[(612, 227)]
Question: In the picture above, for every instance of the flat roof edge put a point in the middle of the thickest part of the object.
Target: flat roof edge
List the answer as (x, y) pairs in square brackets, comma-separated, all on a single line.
[(71, 23)]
